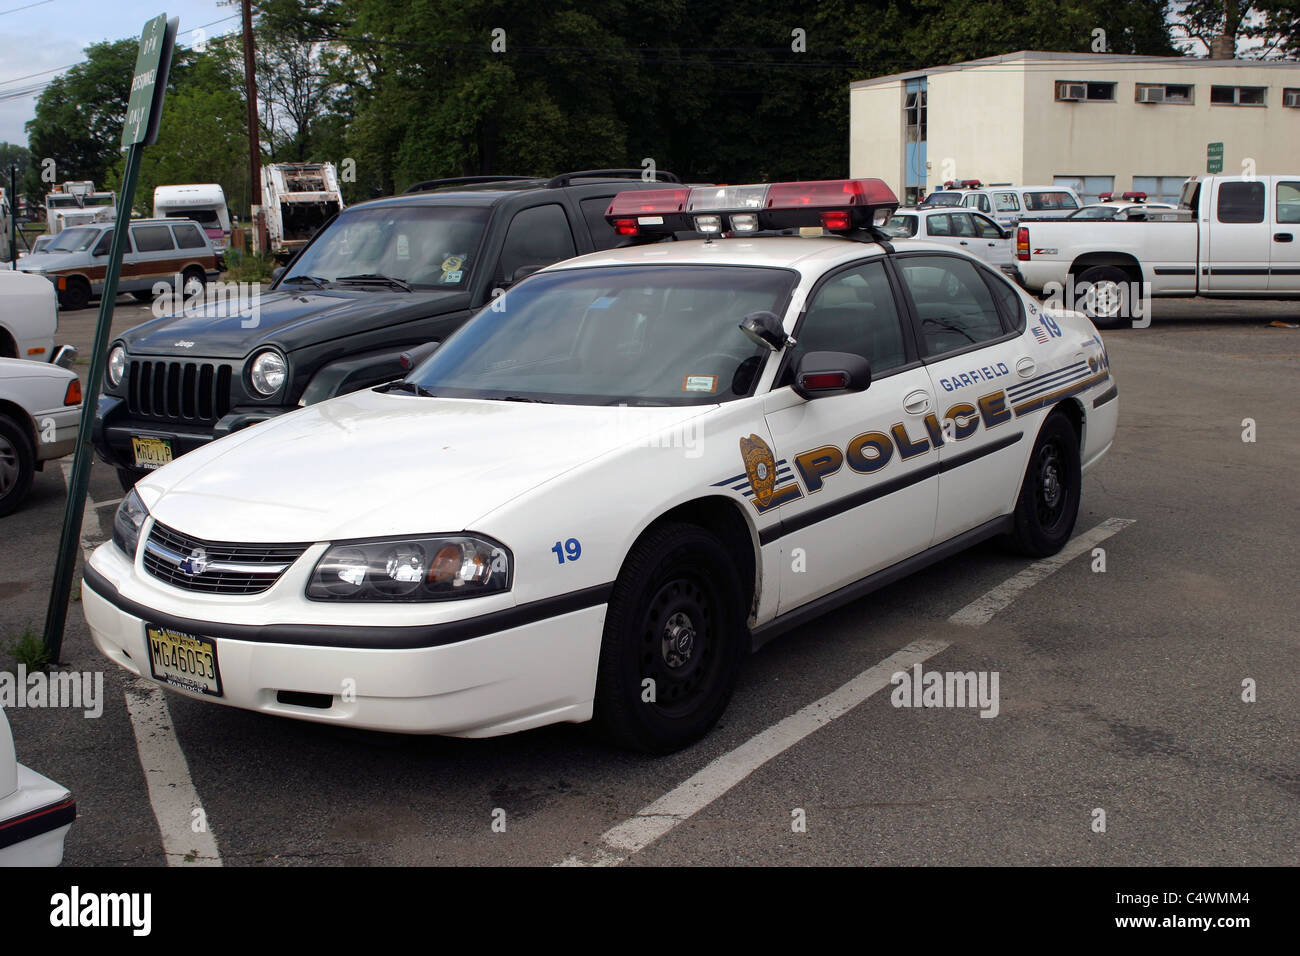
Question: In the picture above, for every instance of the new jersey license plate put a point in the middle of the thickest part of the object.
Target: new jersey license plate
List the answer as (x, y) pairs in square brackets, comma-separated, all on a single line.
[(184, 660), (151, 453)]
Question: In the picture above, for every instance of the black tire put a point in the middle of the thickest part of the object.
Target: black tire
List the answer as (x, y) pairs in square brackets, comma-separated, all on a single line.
[(127, 477), (141, 295), (17, 463), (76, 294), (192, 274), (1103, 300), (1048, 505), (676, 617)]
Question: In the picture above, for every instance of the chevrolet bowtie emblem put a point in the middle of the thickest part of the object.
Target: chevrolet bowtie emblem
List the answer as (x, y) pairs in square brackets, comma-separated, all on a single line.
[(196, 563)]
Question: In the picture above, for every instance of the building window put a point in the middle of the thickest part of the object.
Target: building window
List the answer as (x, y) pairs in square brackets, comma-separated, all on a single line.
[(1291, 98), (1071, 91), (914, 113), (1160, 188), (1176, 93), (1088, 188), (1237, 95)]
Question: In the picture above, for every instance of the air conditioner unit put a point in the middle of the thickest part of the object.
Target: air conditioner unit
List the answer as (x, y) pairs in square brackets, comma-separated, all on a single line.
[(1071, 91), (1291, 98), (1151, 94)]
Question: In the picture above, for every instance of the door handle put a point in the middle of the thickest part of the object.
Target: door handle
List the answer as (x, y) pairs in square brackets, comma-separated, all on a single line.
[(1281, 237), (917, 402), (965, 243), (1025, 367)]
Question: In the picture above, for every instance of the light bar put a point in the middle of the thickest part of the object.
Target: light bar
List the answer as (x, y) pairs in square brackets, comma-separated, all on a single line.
[(1136, 197), (839, 205)]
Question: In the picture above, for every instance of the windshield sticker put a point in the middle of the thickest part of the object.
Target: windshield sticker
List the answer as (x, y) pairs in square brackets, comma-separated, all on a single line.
[(604, 302), (700, 383), (451, 276), (403, 247)]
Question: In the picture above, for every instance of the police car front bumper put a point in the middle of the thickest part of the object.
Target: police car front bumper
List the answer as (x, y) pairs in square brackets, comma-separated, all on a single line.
[(479, 682)]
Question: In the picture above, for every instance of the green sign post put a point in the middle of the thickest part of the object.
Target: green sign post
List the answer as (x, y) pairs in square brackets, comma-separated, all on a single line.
[(1214, 158), (148, 85)]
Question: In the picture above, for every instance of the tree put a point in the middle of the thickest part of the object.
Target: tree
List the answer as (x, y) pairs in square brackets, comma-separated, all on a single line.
[(1239, 28), (79, 118)]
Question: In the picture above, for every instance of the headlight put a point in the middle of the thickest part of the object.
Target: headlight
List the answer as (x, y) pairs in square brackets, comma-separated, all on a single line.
[(116, 365), (126, 523), (412, 569), (267, 372)]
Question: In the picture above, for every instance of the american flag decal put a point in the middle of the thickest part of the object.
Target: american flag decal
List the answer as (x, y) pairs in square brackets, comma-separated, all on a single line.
[(1040, 334)]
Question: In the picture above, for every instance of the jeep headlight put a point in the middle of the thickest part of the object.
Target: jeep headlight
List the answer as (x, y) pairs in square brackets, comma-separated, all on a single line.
[(267, 372), (116, 365), (127, 523), (436, 568)]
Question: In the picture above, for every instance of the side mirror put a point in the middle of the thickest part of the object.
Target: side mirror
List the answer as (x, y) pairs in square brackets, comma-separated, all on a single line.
[(831, 373), (764, 328), (523, 272), (413, 357)]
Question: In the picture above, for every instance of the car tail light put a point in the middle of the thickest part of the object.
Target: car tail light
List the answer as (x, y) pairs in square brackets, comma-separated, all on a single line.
[(1022, 243), (73, 395)]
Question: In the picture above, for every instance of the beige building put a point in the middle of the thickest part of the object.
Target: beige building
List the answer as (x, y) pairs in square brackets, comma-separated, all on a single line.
[(1098, 122)]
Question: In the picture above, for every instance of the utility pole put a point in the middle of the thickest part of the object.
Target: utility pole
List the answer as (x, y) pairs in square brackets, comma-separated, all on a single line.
[(254, 147), (13, 214)]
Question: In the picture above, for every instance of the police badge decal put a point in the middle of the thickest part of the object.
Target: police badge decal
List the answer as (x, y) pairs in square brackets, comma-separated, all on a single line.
[(760, 466)]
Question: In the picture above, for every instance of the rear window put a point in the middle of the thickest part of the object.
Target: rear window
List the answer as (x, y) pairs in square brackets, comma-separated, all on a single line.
[(188, 236), (900, 227), (152, 238)]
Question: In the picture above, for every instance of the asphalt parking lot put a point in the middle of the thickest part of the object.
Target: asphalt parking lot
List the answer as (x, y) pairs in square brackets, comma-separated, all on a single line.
[(1121, 690)]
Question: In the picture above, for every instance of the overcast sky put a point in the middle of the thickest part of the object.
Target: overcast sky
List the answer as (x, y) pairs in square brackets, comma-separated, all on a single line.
[(43, 35)]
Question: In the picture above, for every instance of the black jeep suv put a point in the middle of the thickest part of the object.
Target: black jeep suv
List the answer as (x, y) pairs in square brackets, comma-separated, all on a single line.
[(378, 279)]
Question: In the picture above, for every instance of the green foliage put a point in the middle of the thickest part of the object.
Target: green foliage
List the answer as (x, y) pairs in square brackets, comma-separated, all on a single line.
[(28, 649), (242, 266)]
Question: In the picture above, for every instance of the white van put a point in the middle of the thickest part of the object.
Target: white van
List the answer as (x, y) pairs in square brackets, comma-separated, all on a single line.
[(205, 203), (1009, 204)]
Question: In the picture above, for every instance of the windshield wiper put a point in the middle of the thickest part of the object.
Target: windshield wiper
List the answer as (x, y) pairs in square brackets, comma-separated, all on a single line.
[(403, 386), (315, 280), (523, 398), (377, 277)]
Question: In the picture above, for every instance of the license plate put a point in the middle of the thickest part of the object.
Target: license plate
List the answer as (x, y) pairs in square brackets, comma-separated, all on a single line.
[(184, 660), (151, 453)]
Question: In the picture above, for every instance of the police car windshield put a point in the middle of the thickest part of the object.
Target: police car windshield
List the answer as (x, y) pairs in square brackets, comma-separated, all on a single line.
[(944, 199), (1094, 212), (74, 240), (425, 246), (635, 335)]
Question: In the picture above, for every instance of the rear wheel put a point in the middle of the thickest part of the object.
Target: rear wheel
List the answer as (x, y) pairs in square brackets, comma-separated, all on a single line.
[(1105, 296), (193, 281), (674, 643), (75, 294), (1049, 495), (17, 463)]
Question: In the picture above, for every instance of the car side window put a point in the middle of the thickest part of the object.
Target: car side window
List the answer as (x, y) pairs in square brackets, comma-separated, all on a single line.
[(1241, 202), (1288, 202), (1006, 202), (854, 311), (961, 225), (105, 243), (939, 225), (153, 238), (188, 236), (537, 237), (1009, 300), (953, 303), (986, 228), (603, 235)]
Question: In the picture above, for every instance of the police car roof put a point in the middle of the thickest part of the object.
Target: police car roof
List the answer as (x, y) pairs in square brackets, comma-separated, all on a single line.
[(812, 255)]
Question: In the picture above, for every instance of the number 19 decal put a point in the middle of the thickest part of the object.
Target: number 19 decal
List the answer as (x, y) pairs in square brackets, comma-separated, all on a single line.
[(570, 549)]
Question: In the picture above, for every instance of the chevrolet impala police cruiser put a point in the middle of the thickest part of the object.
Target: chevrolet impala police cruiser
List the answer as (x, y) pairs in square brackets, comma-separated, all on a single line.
[(588, 501)]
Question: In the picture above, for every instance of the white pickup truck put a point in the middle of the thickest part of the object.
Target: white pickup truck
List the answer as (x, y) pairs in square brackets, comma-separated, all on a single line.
[(1232, 236)]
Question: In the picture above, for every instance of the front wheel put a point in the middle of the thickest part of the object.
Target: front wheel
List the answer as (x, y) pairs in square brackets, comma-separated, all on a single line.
[(674, 642), (1048, 504), (17, 462), (75, 294)]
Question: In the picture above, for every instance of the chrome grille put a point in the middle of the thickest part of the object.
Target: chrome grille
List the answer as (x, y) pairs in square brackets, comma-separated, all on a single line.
[(178, 391), (216, 567)]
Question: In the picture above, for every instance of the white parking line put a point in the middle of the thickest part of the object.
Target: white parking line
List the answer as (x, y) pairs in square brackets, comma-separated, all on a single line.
[(186, 837), (167, 775), (982, 609), (710, 783)]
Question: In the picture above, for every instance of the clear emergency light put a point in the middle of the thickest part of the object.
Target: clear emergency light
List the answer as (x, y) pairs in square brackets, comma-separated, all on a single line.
[(837, 205)]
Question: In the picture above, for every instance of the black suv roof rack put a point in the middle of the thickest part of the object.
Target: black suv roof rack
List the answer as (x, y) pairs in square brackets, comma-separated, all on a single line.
[(566, 179), (428, 184)]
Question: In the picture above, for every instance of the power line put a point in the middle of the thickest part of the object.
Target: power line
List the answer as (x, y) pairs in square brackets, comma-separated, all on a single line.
[(39, 3)]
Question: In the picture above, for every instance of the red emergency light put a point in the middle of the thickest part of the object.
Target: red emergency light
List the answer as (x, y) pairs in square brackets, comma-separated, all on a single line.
[(971, 184), (1136, 197), (839, 205), (1105, 197)]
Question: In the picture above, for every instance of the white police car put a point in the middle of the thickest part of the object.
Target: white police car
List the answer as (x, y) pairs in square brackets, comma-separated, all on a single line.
[(595, 497)]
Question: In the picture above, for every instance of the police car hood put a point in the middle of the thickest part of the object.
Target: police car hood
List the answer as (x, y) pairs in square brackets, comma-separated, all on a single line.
[(372, 463)]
